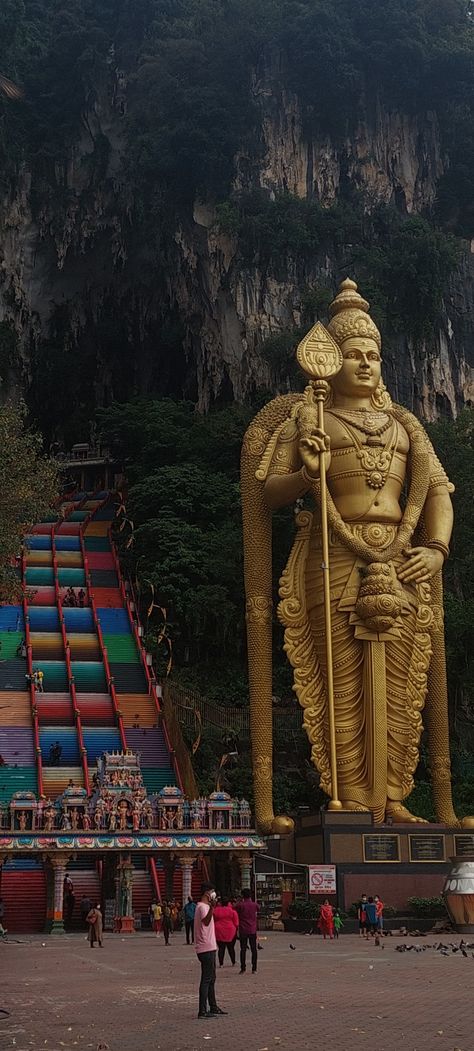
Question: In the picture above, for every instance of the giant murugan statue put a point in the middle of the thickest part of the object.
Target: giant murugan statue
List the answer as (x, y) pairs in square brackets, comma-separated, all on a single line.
[(361, 595)]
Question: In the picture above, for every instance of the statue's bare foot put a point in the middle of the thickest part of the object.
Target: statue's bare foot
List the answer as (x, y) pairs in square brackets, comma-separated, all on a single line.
[(400, 815), (350, 804)]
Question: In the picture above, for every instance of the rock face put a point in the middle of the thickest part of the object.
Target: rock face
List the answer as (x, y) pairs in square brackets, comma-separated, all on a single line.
[(75, 255)]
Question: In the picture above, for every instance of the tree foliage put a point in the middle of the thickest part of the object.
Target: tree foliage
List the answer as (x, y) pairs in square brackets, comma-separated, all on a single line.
[(28, 486), (190, 66), (185, 506)]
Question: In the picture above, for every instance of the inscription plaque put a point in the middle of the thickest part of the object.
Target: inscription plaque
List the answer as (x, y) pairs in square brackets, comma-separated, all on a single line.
[(381, 848), (427, 848), (463, 845)]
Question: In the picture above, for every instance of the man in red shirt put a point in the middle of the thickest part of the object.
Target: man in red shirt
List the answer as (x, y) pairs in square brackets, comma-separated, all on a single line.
[(247, 911), (206, 948)]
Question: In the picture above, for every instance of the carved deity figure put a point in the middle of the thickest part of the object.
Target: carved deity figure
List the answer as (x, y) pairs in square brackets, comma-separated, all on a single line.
[(122, 814), (86, 821), (126, 891), (22, 821), (389, 520), (49, 815)]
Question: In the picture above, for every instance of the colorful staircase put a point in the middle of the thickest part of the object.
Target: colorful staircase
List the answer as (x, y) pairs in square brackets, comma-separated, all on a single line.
[(98, 695)]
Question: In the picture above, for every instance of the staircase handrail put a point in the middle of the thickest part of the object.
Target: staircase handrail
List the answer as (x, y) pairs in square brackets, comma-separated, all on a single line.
[(221, 716), (154, 878), (133, 625), (69, 671), (32, 690), (108, 674)]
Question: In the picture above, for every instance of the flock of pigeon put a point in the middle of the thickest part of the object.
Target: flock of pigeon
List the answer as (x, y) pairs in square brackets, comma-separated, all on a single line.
[(444, 950)]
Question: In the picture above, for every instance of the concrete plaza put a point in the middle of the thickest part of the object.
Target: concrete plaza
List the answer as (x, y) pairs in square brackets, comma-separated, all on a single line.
[(135, 994)]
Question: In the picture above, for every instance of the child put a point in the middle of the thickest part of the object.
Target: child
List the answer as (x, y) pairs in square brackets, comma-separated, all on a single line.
[(338, 923)]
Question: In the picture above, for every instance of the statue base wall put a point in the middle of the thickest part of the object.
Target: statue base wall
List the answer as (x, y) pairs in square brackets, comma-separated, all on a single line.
[(396, 862)]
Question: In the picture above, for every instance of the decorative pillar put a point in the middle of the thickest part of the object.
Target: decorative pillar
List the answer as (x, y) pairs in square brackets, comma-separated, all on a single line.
[(58, 863), (187, 861), (125, 913), (245, 865)]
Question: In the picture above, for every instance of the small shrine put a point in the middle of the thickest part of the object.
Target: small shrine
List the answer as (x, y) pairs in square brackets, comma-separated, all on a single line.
[(23, 809), (173, 808), (73, 806)]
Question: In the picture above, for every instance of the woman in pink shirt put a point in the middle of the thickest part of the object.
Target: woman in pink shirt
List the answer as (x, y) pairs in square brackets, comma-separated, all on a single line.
[(226, 924)]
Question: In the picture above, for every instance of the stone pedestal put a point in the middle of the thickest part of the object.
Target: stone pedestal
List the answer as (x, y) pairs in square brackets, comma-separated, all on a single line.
[(126, 925)]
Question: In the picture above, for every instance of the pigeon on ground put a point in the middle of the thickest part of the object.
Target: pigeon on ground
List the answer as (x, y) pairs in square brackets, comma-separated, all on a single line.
[(292, 946)]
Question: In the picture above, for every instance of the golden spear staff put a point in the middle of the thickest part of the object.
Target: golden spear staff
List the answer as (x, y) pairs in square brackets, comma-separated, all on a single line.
[(320, 358)]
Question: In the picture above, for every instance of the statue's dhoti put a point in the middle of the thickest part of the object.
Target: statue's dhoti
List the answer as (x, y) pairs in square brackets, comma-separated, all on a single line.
[(380, 678)]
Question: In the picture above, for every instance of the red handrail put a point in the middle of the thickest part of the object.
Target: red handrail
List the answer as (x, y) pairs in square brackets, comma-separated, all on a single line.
[(32, 691), (154, 878), (70, 676), (108, 674)]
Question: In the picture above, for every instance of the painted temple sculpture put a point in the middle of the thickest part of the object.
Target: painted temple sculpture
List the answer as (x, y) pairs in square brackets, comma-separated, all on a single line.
[(119, 804), (361, 596)]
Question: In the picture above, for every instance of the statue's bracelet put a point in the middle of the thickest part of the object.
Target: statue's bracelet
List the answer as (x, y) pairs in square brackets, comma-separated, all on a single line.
[(438, 545), (308, 479)]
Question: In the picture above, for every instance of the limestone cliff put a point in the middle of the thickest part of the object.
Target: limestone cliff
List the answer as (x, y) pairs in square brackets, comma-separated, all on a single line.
[(84, 294)]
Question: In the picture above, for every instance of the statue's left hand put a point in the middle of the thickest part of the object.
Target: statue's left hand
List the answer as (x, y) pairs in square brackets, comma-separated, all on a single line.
[(421, 565)]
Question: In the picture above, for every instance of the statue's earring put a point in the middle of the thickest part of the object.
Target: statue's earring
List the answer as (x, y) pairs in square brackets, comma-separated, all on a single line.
[(381, 399)]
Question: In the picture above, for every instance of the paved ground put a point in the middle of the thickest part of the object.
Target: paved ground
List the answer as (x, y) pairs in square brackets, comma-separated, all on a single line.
[(137, 995)]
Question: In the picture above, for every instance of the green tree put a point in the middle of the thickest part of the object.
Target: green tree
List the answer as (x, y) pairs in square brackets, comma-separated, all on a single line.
[(28, 486)]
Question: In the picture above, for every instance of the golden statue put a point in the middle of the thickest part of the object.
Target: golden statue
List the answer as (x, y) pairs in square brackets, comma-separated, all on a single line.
[(361, 595)]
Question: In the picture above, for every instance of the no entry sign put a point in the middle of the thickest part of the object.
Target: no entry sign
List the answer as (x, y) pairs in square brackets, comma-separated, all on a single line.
[(322, 879)]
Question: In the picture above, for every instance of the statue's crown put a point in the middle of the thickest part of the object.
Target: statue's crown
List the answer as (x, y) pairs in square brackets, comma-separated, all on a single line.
[(349, 314)]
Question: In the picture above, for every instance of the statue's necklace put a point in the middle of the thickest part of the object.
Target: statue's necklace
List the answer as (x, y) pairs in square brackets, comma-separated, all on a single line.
[(365, 420), (375, 457)]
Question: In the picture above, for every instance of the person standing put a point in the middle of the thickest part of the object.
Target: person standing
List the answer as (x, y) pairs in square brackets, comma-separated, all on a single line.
[(362, 916), (167, 922), (326, 920), (189, 913), (379, 912), (206, 948), (156, 913), (338, 923), (247, 911), (226, 923), (94, 919), (371, 912)]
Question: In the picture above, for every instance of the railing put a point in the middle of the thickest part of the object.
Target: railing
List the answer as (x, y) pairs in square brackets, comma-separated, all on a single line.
[(29, 666), (154, 879), (70, 676), (183, 765), (187, 702), (103, 648), (108, 674)]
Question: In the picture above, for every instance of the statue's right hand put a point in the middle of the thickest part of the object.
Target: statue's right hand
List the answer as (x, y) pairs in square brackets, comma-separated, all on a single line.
[(310, 450)]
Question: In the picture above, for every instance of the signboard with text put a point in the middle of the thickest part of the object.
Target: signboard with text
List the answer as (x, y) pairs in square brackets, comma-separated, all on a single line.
[(322, 879)]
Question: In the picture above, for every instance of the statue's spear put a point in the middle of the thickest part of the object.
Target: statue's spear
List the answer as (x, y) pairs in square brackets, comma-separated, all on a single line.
[(320, 358)]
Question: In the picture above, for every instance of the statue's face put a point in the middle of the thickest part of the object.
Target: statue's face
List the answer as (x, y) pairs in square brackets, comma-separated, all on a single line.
[(361, 368)]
